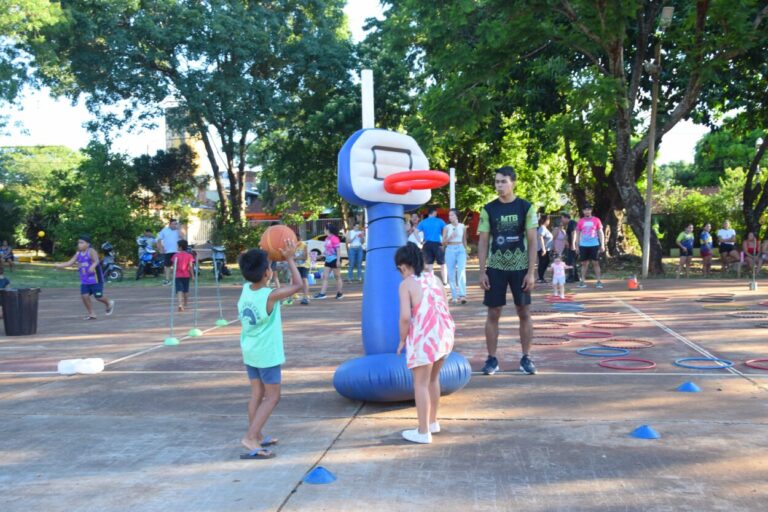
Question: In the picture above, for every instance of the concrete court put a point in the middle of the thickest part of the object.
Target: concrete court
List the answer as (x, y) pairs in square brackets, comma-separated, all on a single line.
[(159, 429)]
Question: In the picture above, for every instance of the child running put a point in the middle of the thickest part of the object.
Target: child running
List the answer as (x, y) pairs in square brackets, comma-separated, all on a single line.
[(91, 278), (426, 333), (185, 263), (558, 277), (261, 341)]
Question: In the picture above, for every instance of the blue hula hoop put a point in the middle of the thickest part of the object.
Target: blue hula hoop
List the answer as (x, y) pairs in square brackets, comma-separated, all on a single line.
[(725, 363), (605, 351)]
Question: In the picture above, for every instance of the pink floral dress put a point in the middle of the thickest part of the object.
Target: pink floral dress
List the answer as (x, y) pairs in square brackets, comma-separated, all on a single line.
[(430, 336)]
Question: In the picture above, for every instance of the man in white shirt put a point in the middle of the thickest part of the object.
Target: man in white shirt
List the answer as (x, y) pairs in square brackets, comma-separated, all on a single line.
[(726, 237), (168, 245)]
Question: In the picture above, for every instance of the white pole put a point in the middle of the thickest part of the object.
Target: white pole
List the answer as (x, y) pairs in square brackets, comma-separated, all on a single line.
[(452, 172), (366, 83)]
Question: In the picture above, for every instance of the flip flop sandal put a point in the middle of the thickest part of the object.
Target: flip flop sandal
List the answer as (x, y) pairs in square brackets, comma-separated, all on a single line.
[(269, 441), (259, 453)]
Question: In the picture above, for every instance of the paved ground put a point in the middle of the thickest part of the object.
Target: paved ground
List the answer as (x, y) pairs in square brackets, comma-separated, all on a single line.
[(159, 429)]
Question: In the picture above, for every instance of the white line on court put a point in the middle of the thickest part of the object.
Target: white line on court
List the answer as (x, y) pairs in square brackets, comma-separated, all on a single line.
[(161, 345)]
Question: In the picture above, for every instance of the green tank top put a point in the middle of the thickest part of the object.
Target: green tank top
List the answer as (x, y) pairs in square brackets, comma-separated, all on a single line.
[(261, 338)]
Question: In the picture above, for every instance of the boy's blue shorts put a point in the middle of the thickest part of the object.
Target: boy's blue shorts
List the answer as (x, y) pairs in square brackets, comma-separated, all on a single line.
[(269, 375), (97, 290)]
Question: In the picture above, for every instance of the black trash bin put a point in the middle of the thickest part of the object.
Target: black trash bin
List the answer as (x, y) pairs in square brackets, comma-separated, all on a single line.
[(20, 311)]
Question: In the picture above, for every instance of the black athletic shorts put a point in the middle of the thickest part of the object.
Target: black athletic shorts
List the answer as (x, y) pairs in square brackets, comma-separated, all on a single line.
[(725, 248), (500, 280), (331, 264), (168, 259), (433, 252), (589, 253), (182, 284)]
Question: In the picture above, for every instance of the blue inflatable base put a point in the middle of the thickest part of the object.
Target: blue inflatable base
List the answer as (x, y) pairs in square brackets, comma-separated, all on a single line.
[(386, 378)]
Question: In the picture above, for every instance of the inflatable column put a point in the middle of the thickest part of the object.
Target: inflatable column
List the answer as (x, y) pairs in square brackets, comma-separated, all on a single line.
[(365, 161)]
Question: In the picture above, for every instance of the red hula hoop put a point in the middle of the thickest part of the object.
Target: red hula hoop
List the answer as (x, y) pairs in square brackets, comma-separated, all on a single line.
[(550, 340), (607, 324), (752, 363), (607, 363), (404, 182), (589, 334)]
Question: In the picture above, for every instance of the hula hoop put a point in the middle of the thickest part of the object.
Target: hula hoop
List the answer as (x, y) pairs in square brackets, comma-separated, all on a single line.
[(589, 334), (606, 351), (628, 343), (541, 311), (558, 300), (404, 182), (716, 299), (725, 307), (752, 364), (607, 325), (719, 295), (607, 363), (749, 314), (549, 340), (651, 298), (595, 314), (568, 307), (762, 325), (565, 320), (682, 364), (763, 303), (549, 327)]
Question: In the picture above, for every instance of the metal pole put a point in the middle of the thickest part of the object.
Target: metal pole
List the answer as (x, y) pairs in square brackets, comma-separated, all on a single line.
[(452, 172), (651, 157), (366, 84)]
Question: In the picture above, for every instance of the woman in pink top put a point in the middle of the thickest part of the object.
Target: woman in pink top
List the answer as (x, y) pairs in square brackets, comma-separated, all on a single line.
[(426, 333), (332, 263)]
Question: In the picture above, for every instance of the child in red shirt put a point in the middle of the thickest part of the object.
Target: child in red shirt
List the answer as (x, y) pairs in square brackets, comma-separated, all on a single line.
[(184, 262)]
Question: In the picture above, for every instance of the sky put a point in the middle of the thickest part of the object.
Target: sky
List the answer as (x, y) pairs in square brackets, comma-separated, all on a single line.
[(42, 120)]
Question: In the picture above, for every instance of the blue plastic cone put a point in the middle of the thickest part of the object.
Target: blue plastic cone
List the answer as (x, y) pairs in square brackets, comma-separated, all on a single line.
[(221, 322), (171, 342), (319, 475), (194, 333), (688, 387), (645, 432)]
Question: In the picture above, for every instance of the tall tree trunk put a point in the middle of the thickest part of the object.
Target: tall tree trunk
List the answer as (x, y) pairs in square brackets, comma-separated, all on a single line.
[(209, 151), (635, 208), (577, 189), (755, 195)]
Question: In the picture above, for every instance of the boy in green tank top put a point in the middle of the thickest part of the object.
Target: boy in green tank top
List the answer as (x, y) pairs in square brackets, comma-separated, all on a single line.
[(261, 341)]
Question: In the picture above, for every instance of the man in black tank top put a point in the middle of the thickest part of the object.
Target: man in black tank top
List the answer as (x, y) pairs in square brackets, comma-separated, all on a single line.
[(507, 254)]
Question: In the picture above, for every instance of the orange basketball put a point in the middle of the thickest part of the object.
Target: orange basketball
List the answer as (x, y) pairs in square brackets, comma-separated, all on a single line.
[(274, 239)]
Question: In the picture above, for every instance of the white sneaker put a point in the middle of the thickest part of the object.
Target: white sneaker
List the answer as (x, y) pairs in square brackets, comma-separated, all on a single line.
[(110, 308), (434, 428), (415, 437)]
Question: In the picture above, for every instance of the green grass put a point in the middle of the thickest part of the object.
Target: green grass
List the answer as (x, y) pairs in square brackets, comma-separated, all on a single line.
[(44, 275)]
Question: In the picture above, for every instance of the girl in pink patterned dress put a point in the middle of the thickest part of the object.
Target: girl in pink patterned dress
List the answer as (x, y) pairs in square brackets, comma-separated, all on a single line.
[(426, 333)]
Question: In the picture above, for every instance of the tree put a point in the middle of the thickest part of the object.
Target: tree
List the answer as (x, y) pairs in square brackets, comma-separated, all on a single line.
[(480, 57), (19, 20), (29, 176), (232, 67), (101, 198), (169, 175)]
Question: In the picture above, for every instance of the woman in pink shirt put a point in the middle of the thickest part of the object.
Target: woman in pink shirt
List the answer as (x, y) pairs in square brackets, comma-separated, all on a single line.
[(331, 253)]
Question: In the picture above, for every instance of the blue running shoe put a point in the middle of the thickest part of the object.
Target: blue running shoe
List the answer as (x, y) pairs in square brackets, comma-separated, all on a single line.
[(527, 366), (491, 366)]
